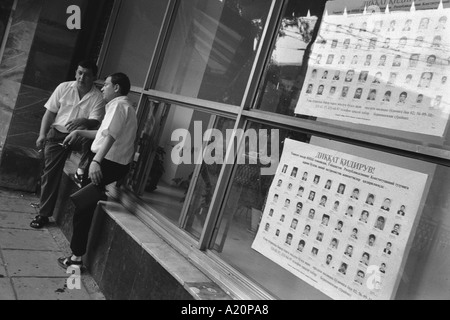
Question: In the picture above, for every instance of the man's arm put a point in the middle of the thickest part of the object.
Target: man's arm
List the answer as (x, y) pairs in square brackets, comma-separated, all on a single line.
[(95, 171), (47, 120), (73, 136), (82, 124)]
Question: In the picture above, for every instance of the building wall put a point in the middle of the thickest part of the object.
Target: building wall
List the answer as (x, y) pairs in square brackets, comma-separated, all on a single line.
[(12, 71)]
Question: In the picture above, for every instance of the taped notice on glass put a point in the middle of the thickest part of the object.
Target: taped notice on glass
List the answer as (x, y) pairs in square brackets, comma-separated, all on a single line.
[(339, 222), (385, 69)]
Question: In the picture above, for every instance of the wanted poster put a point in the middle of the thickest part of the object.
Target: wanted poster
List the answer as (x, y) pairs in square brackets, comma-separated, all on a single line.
[(384, 69), (339, 222)]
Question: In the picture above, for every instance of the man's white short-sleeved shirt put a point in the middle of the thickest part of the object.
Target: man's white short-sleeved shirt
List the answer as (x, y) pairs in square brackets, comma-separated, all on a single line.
[(65, 102), (120, 123)]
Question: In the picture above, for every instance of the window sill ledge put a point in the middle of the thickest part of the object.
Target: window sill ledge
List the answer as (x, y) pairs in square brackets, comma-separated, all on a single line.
[(191, 278)]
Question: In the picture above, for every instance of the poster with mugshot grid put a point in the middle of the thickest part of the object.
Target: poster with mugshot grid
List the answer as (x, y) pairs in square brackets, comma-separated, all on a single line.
[(386, 69), (339, 222)]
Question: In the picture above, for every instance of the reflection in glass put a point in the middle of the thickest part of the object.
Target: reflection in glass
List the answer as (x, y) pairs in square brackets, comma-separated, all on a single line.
[(284, 74), (131, 48), (212, 49), (167, 183)]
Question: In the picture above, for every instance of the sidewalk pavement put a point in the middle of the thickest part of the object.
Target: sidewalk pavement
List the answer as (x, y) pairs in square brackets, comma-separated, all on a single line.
[(28, 266)]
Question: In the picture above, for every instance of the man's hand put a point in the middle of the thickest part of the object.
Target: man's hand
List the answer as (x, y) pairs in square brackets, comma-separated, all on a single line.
[(80, 124), (70, 139), (40, 142), (95, 173)]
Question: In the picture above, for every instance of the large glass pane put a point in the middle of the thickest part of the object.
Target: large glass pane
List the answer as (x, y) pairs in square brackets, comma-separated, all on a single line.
[(425, 266), (179, 135), (212, 49), (134, 39), (285, 72), (362, 73)]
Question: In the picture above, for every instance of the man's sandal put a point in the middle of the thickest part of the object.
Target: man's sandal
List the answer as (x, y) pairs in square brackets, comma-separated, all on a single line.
[(66, 262), (39, 222)]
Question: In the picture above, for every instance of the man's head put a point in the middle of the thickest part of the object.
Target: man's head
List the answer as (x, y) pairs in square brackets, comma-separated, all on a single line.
[(301, 245), (364, 215), (116, 85), (85, 75), (403, 96), (414, 60), (350, 74)]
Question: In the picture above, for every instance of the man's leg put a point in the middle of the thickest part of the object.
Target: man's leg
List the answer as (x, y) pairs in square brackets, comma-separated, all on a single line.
[(82, 219), (81, 225), (81, 175), (55, 159)]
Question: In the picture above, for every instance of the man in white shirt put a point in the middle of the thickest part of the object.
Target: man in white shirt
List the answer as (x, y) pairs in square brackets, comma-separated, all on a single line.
[(73, 105), (113, 149)]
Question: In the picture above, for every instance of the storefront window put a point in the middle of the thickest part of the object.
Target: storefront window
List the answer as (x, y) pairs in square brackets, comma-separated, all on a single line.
[(413, 221), (382, 74), (212, 49), (134, 39)]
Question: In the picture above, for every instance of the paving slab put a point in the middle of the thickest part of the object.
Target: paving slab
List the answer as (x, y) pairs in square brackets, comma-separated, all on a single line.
[(6, 290), (4, 193), (47, 289), (16, 205), (21, 263), (27, 240), (16, 220)]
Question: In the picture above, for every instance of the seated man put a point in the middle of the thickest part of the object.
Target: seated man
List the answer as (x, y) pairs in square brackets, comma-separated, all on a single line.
[(113, 150)]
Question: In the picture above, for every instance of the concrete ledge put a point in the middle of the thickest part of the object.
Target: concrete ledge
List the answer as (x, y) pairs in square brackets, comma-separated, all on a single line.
[(157, 270)]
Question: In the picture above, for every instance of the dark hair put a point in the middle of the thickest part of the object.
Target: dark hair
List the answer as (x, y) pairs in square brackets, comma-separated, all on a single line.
[(91, 65), (123, 81)]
